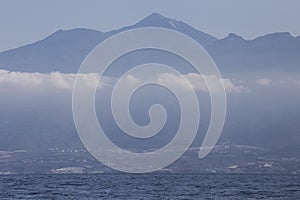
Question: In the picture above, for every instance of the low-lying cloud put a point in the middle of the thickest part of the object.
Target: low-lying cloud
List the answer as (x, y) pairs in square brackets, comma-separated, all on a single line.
[(266, 82), (54, 80), (61, 81), (198, 83)]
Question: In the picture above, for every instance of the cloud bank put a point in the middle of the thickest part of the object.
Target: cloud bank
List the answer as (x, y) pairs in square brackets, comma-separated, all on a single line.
[(267, 82), (62, 81)]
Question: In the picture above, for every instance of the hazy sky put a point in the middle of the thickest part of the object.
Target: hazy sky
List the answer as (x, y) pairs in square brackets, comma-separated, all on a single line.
[(23, 22)]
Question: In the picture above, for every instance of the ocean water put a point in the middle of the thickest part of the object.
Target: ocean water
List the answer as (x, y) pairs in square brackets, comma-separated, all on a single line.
[(149, 186)]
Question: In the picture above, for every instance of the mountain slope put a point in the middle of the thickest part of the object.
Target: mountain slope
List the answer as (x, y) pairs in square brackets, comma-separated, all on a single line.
[(64, 51), (278, 51), (157, 20), (61, 51)]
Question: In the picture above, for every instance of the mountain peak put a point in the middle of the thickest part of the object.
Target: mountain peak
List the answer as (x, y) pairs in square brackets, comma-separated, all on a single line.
[(158, 20), (280, 34), (233, 36), (157, 16), (276, 36)]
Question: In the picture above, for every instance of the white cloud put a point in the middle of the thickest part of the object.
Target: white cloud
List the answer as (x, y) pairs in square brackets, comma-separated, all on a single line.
[(54, 80), (57, 80), (296, 82), (264, 81), (198, 83), (271, 82)]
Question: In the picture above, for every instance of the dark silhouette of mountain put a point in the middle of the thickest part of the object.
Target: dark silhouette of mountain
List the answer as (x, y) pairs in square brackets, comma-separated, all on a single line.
[(64, 51), (279, 51), (61, 51), (157, 20), (264, 118)]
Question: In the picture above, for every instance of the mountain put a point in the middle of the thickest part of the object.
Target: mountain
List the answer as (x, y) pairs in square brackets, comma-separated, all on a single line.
[(36, 122), (64, 50), (157, 20), (61, 51), (278, 51)]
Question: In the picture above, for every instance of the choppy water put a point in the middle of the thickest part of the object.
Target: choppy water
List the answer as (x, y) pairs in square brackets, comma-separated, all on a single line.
[(149, 186)]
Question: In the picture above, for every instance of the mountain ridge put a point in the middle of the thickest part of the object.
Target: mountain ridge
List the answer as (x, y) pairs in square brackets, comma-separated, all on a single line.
[(64, 50)]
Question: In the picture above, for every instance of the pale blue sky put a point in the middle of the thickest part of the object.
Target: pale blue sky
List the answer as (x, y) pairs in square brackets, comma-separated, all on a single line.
[(23, 22)]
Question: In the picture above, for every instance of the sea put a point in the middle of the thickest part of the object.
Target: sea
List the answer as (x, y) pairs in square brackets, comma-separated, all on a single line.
[(149, 186)]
